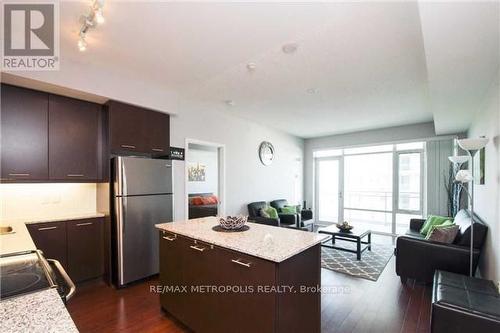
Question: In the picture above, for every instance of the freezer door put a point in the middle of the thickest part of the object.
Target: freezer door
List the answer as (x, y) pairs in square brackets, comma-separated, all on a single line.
[(140, 176), (137, 237)]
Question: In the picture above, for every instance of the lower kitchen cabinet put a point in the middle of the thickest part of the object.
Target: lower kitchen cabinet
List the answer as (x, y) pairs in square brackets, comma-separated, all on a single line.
[(77, 244), (214, 289), (248, 274), (85, 248), (51, 239)]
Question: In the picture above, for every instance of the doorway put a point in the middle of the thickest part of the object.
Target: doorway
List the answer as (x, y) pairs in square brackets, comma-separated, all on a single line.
[(329, 190), (204, 179)]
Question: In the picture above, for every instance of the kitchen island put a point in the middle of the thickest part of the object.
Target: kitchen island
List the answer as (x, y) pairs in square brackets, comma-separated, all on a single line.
[(265, 279)]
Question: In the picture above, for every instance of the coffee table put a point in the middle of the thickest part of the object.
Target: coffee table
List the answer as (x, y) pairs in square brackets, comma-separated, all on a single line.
[(356, 235)]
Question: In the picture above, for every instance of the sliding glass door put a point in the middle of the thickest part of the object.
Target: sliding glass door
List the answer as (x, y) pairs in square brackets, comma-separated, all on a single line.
[(328, 190), (368, 191), (378, 188)]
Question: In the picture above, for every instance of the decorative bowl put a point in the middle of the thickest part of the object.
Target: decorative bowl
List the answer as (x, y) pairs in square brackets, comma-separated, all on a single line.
[(344, 227), (233, 222)]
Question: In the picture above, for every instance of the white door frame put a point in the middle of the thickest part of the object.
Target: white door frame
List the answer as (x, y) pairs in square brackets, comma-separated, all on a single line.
[(221, 150), (340, 213)]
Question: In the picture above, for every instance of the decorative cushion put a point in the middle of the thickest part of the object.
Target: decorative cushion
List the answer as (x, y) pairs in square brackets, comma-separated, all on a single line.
[(289, 210), (263, 213), (443, 234), (297, 208), (433, 220), (212, 200), (272, 212)]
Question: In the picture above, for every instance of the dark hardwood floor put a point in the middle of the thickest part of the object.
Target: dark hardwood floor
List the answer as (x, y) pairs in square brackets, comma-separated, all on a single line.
[(355, 305)]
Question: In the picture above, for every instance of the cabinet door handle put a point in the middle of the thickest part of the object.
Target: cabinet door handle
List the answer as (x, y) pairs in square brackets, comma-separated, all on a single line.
[(239, 262), (19, 174), (75, 175), (198, 248), (128, 146), (84, 224), (47, 228), (157, 149), (170, 239)]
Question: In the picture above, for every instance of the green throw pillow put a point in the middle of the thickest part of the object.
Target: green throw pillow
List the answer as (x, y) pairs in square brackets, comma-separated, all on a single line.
[(289, 210), (298, 208), (433, 220), (273, 213), (445, 224)]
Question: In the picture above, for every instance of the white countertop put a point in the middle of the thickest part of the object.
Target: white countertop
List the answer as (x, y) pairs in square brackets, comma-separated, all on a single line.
[(20, 239), (42, 311), (266, 242)]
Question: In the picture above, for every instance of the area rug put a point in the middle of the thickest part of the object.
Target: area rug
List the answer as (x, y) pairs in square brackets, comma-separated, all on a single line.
[(370, 266)]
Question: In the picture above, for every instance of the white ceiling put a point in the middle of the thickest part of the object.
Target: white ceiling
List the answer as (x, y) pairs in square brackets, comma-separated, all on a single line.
[(372, 65)]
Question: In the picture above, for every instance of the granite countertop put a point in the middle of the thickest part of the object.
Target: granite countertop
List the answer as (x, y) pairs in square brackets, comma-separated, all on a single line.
[(20, 239), (266, 242), (42, 311)]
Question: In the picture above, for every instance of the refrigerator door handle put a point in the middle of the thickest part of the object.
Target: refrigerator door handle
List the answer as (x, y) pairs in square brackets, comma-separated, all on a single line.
[(120, 215), (124, 214)]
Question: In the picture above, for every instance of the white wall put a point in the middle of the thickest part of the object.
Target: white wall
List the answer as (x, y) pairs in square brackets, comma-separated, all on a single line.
[(380, 136), (208, 158), (487, 196), (247, 180), (45, 201)]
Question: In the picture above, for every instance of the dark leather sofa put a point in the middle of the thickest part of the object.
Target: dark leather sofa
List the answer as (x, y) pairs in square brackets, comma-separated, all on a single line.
[(418, 258), (302, 220)]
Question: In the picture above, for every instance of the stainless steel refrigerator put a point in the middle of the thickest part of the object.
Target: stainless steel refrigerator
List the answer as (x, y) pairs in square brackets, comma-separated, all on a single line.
[(142, 197)]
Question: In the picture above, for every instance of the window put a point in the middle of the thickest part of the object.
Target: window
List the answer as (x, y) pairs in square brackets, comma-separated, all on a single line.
[(409, 182), (377, 187)]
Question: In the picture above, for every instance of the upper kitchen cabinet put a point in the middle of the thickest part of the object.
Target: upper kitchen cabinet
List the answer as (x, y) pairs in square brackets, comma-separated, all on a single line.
[(73, 139), (24, 125), (137, 130)]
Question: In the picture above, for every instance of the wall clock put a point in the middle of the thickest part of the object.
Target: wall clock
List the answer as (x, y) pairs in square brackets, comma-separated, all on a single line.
[(266, 153)]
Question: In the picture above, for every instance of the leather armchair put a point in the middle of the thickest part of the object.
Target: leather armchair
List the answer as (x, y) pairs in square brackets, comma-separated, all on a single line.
[(253, 214), (303, 220), (419, 258), (286, 220)]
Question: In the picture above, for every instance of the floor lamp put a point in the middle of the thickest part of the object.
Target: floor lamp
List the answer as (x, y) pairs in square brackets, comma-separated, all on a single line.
[(472, 146)]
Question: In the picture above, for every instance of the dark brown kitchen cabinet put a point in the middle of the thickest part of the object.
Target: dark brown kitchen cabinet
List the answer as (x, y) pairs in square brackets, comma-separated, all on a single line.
[(250, 273), (51, 239), (137, 130), (247, 289), (77, 244), (85, 248), (73, 139), (24, 125), (157, 125)]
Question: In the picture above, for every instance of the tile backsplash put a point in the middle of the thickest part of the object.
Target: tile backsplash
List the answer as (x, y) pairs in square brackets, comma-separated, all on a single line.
[(40, 201)]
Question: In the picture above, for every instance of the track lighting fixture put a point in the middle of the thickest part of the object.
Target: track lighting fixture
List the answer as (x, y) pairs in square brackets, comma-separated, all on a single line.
[(94, 18)]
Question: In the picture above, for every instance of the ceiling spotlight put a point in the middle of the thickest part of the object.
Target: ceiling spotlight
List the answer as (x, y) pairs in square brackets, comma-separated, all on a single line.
[(82, 44), (99, 17), (290, 48), (229, 102), (90, 21), (312, 91), (251, 66)]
